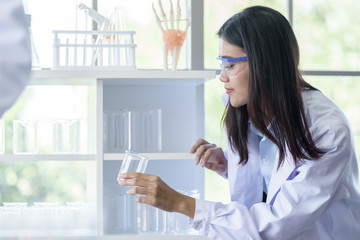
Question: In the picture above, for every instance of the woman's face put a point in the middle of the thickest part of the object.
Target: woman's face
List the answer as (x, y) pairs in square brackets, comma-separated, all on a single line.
[(234, 75)]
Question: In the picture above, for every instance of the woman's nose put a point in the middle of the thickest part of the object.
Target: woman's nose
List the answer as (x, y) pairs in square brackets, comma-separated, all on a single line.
[(223, 77)]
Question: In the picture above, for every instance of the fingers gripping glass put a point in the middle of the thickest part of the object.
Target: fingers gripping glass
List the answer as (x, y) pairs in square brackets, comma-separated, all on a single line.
[(133, 162), (231, 66)]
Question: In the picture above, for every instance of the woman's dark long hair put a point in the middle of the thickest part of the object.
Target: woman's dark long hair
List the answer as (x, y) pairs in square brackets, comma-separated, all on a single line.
[(275, 85)]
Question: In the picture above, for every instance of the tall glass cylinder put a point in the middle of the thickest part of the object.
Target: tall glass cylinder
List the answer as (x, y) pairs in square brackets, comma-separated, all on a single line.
[(66, 135), (2, 136), (25, 139), (152, 220), (145, 130)]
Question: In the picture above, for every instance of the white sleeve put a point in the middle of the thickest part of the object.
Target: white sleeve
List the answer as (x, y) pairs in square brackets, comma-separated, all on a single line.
[(225, 173), (15, 52), (298, 205)]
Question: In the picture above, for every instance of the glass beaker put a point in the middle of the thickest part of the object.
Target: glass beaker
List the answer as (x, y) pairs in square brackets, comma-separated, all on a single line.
[(153, 131), (2, 136), (14, 215), (152, 220), (126, 213), (137, 130), (127, 207), (66, 135), (106, 131), (17, 205), (80, 216), (179, 222), (145, 130), (133, 162), (25, 137), (120, 130)]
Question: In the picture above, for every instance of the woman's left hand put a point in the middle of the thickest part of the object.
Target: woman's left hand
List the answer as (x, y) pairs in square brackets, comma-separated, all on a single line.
[(157, 193)]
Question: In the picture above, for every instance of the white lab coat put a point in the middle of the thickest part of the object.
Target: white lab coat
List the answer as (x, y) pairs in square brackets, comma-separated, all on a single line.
[(15, 52), (321, 202)]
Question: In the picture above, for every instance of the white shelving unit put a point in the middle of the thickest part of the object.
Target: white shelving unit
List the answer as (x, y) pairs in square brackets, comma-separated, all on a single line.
[(48, 157), (154, 156), (180, 94)]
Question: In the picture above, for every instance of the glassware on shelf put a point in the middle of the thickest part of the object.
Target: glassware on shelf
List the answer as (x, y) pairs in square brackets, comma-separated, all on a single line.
[(35, 57), (179, 223), (12, 216), (17, 205), (2, 136), (106, 131), (45, 204), (153, 130), (145, 130), (46, 216), (3, 219), (44, 219), (120, 130), (81, 217), (66, 136), (116, 130), (137, 130), (126, 213), (152, 220), (109, 210), (25, 139)]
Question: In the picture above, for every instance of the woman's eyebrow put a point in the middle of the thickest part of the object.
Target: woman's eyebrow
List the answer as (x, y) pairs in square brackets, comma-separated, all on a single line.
[(226, 56)]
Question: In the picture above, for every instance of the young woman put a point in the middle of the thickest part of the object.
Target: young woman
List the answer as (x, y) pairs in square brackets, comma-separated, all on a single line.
[(290, 160)]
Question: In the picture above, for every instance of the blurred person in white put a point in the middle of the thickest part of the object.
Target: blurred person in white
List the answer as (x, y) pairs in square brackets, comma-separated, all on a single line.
[(290, 160), (15, 52)]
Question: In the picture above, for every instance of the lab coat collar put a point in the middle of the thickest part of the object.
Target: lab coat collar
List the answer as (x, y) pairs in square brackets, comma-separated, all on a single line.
[(256, 131)]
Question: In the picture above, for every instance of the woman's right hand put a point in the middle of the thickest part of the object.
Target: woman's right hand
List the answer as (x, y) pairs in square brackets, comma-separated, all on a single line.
[(210, 156)]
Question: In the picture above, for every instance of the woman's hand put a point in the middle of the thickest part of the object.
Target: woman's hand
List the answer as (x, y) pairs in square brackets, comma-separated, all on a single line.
[(157, 193), (211, 156)]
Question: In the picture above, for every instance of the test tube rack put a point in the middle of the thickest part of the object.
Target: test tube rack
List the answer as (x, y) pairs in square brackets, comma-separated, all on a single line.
[(94, 49)]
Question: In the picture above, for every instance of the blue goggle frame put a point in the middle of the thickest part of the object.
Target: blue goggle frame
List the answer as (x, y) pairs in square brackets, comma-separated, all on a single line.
[(232, 59)]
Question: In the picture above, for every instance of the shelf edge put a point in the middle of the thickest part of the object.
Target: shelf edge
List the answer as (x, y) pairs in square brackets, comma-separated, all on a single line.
[(47, 157), (153, 156)]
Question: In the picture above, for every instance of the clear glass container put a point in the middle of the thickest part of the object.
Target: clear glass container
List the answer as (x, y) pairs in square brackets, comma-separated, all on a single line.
[(25, 137), (133, 162), (2, 136), (66, 136)]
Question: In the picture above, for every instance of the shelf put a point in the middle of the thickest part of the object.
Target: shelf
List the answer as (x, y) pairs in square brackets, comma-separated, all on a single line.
[(48, 157), (153, 156), (151, 237), (120, 77), (130, 237)]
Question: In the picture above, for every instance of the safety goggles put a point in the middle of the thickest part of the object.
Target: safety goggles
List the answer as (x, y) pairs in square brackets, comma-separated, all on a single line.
[(232, 66)]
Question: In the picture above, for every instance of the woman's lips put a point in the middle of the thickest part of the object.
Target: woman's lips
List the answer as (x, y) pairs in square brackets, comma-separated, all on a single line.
[(228, 90)]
